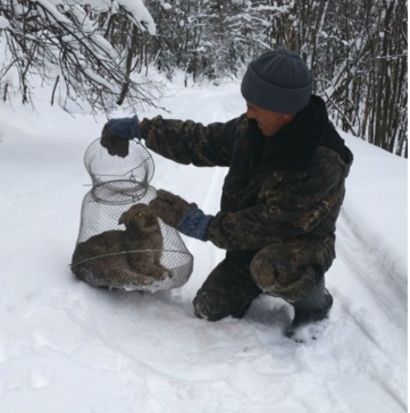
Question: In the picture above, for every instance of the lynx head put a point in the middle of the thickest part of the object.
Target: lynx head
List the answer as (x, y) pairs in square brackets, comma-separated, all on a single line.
[(139, 218)]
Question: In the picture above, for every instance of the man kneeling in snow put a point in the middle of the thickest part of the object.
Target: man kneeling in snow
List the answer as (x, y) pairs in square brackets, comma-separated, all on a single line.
[(281, 196)]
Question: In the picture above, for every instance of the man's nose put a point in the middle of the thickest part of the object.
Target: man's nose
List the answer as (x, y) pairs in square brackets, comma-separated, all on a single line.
[(249, 113)]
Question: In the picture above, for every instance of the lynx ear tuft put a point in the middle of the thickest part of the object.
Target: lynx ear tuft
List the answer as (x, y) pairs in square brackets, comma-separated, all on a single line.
[(121, 219)]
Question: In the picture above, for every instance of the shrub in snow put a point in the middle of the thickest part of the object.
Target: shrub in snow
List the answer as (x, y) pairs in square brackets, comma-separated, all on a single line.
[(68, 44)]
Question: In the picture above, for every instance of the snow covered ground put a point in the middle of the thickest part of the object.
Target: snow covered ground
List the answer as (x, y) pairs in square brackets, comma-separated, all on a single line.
[(66, 347)]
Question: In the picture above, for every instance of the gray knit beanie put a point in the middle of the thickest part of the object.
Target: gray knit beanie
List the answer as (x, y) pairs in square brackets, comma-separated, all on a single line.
[(278, 81)]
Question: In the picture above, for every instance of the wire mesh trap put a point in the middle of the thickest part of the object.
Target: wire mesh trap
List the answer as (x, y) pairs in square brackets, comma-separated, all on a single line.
[(121, 243), (137, 166)]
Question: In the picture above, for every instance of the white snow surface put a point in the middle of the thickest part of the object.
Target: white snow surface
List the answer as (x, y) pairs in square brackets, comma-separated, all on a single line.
[(4, 23), (66, 347)]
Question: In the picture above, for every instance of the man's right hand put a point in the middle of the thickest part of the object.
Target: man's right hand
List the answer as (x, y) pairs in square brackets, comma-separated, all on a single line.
[(116, 134)]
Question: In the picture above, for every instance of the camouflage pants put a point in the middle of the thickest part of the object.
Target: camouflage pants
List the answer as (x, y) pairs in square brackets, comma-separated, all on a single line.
[(229, 289), (290, 270)]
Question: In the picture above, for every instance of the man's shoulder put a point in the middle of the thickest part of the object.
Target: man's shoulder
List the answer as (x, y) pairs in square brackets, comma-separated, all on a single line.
[(335, 144), (325, 167), (327, 162)]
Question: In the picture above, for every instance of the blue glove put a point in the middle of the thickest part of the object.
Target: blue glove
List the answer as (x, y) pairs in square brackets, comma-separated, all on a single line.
[(117, 133), (194, 223), (125, 128), (180, 214)]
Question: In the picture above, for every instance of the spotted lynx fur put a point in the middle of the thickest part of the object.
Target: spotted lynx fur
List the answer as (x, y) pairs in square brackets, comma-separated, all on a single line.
[(123, 258)]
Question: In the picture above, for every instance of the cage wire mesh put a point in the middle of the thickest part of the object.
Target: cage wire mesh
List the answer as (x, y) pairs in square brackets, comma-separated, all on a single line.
[(121, 243), (137, 166)]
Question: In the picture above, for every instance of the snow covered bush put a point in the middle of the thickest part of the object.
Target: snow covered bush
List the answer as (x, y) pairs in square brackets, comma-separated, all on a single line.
[(65, 42)]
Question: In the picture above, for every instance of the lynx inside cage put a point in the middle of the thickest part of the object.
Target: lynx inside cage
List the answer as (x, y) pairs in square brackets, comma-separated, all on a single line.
[(121, 243)]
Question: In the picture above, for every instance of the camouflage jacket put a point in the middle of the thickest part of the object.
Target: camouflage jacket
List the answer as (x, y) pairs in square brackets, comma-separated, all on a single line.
[(289, 185)]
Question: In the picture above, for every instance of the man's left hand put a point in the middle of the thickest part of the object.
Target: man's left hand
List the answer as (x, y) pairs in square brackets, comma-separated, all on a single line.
[(169, 207), (180, 214)]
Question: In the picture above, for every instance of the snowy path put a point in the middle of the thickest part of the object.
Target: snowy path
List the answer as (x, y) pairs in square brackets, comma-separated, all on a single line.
[(372, 316), (127, 352), (66, 347)]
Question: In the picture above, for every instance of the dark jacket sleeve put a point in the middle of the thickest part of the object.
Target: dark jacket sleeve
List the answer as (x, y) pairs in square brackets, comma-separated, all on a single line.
[(293, 210), (188, 142)]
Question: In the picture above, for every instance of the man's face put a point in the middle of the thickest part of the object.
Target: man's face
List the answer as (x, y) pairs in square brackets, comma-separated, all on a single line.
[(268, 122)]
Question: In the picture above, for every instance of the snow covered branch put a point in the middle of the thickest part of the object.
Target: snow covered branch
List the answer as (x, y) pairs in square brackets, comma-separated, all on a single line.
[(62, 39)]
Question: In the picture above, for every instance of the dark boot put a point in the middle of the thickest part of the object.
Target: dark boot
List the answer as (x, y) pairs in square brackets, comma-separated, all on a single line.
[(228, 291), (309, 312)]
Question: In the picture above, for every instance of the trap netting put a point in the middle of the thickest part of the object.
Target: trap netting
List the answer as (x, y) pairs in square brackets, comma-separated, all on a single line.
[(121, 243), (137, 166)]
